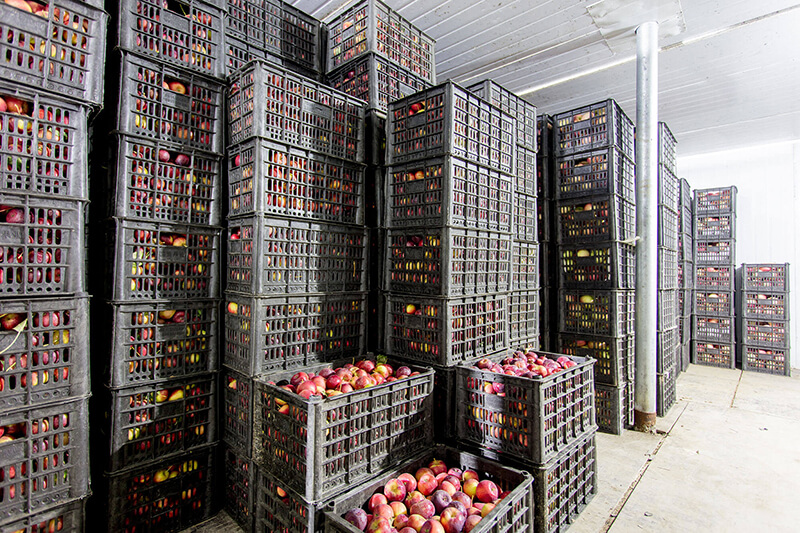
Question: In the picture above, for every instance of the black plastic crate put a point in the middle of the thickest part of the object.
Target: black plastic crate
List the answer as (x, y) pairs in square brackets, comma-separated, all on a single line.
[(287, 331), (240, 487), (65, 518), (279, 508), (519, 108), (256, 21), (597, 312), (44, 459), (448, 191), (376, 80), (302, 39), (321, 446), (237, 421), (711, 278), (164, 103), (373, 26), (527, 172), (448, 119), (667, 309), (276, 256), (526, 216), (154, 261), (667, 269), (767, 360), (186, 34), (769, 277), (769, 306), (239, 52), (41, 246), (609, 265), (162, 497), (545, 175), (61, 51), (269, 101), (766, 333), (523, 316), (721, 252), (667, 228), (545, 135), (718, 200), (719, 354), (513, 514), (686, 355), (668, 189), (48, 359), (375, 140), (667, 342), (599, 125), (44, 144), (713, 329), (611, 408), (667, 148), (155, 181), (685, 328), (599, 172), (448, 261), (714, 303), (545, 223), (715, 227), (525, 266), (445, 331), (665, 391), (597, 218), (614, 356), (535, 419)]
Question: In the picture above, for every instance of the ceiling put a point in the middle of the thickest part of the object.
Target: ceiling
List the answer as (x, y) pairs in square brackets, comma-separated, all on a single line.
[(730, 80)]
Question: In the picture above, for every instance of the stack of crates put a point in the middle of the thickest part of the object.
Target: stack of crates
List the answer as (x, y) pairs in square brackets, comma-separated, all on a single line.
[(47, 99), (596, 219), (296, 266), (156, 420), (685, 272), (548, 243), (762, 318), (667, 336), (523, 300), (713, 336)]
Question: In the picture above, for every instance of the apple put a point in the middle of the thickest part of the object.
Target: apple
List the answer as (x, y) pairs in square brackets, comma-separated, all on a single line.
[(357, 517), (163, 156), (440, 500), (10, 320), (427, 484), (411, 309), (379, 524), (177, 86), (15, 105), (413, 497), (162, 395), (583, 253), (470, 487), (487, 491), (166, 314), (432, 526), (385, 510), (237, 160), (399, 509), (471, 522), (587, 299), (437, 466), (486, 509), (20, 4), (400, 522), (453, 519), (182, 160), (15, 216), (177, 394), (407, 479), (415, 522), (376, 500), (424, 508), (233, 308)]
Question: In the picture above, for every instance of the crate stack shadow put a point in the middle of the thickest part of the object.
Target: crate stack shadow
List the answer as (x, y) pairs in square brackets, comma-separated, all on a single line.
[(50, 92), (713, 335), (685, 272), (547, 229), (762, 318), (596, 217)]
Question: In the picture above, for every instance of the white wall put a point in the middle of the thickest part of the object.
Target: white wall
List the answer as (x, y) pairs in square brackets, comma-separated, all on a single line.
[(768, 207)]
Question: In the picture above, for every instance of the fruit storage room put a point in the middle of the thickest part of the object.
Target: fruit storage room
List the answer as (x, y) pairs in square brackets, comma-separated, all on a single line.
[(398, 266)]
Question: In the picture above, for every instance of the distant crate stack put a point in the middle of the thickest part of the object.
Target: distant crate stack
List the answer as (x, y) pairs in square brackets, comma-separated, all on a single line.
[(685, 272)]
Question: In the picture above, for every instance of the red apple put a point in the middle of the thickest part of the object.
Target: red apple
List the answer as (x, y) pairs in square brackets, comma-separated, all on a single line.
[(453, 520), (432, 526), (486, 491), (376, 500), (409, 481), (427, 484), (424, 508), (471, 522), (357, 517), (385, 510), (416, 521), (177, 86), (394, 490)]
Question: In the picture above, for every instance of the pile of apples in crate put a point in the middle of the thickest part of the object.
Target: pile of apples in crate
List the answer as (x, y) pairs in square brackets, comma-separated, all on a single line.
[(330, 382), (527, 365)]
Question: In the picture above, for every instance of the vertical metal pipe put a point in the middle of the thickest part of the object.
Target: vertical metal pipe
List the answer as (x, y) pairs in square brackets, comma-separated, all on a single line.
[(646, 224)]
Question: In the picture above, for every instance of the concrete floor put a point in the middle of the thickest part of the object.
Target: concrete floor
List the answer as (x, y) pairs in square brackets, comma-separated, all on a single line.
[(726, 458)]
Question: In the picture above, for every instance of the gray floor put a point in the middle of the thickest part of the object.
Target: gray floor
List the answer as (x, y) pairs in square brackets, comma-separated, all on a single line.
[(726, 458)]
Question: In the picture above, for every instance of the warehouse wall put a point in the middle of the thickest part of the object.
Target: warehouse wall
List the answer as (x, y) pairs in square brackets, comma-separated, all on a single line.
[(768, 218)]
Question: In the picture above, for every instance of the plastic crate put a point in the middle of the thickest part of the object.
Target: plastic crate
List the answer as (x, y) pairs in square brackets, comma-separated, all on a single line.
[(545, 220), (596, 218), (685, 274), (159, 420), (721, 252), (523, 316), (145, 188), (769, 277), (282, 332), (525, 266), (48, 360), (169, 495), (767, 360), (42, 254), (443, 331), (712, 278), (239, 52), (377, 81), (599, 172), (667, 269), (161, 261), (279, 508), (667, 342), (548, 414), (256, 21), (188, 113), (74, 33), (513, 514), (527, 172), (153, 342), (45, 153), (375, 141), (321, 446), (685, 248), (685, 328), (448, 191), (240, 487), (611, 408), (186, 34), (667, 228), (718, 200), (237, 422), (545, 135), (519, 108), (713, 329), (449, 120), (597, 312), (770, 306), (599, 125), (765, 333), (686, 221), (717, 354), (46, 462), (714, 303), (373, 26), (545, 175), (448, 261), (665, 391), (272, 102), (667, 309), (668, 189), (609, 265), (714, 227), (302, 39), (273, 256), (66, 518), (526, 215), (614, 356), (667, 148)]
